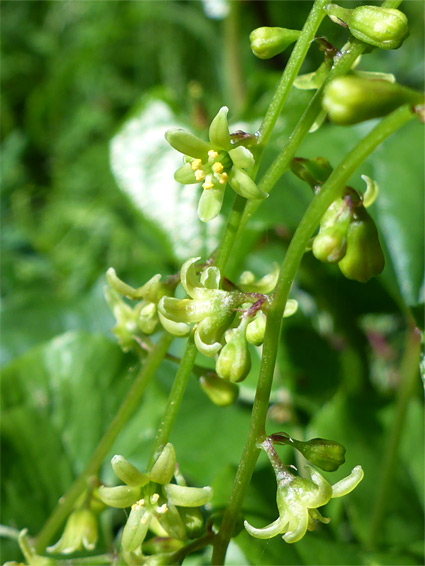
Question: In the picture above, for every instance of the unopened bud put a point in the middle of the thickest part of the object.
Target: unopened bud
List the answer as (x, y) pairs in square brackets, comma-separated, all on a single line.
[(193, 521), (266, 42), (386, 28), (330, 244), (234, 360), (221, 392), (256, 329), (313, 171), (364, 257), (325, 454), (353, 99)]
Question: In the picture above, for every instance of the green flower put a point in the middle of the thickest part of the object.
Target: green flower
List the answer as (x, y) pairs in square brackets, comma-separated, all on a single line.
[(298, 500), (214, 163), (209, 307), (80, 533), (153, 499)]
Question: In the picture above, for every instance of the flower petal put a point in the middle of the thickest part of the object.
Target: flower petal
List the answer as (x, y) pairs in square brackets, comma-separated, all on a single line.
[(208, 350), (242, 157), (210, 203), (347, 484), (174, 328), (264, 285), (187, 143), (269, 531), (320, 493), (298, 522), (184, 496), (136, 527), (163, 469), (171, 522), (184, 310), (219, 130), (185, 175), (189, 278), (242, 184), (210, 278)]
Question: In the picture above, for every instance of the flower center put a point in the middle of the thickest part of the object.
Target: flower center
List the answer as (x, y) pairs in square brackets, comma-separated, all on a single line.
[(213, 172)]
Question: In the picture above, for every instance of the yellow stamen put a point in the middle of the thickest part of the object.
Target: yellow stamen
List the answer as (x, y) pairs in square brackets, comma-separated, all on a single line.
[(196, 164), (223, 178), (208, 183), (199, 175), (163, 509), (154, 498), (218, 167), (212, 154)]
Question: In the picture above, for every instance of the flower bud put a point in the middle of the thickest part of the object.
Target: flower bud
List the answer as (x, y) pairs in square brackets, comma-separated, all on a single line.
[(193, 521), (128, 473), (381, 27), (353, 99), (313, 171), (364, 257), (163, 469), (330, 244), (256, 329), (325, 454), (234, 361), (221, 392), (266, 42)]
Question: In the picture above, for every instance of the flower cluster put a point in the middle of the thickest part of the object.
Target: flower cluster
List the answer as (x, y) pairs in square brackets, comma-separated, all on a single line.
[(224, 321), (142, 319), (298, 499), (214, 163), (167, 509)]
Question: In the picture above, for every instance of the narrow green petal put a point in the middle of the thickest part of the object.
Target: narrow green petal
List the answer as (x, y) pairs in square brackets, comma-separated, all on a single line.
[(183, 310), (174, 328), (188, 496), (264, 285), (187, 143), (349, 483), (291, 308), (208, 350), (163, 469), (242, 157), (172, 523), (219, 130), (242, 184), (136, 527), (210, 278), (270, 531), (298, 523), (371, 192), (128, 473), (120, 496), (210, 203), (321, 495), (188, 276), (185, 175)]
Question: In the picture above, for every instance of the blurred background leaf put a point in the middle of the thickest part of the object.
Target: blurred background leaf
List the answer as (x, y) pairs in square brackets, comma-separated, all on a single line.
[(88, 89)]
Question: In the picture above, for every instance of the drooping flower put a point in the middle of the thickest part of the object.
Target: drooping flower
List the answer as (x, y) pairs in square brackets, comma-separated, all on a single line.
[(214, 163), (80, 533), (298, 499)]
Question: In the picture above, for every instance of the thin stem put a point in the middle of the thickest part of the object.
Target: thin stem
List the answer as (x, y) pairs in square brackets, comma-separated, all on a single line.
[(296, 59), (174, 399), (229, 236), (329, 192), (408, 376), (233, 60), (126, 410)]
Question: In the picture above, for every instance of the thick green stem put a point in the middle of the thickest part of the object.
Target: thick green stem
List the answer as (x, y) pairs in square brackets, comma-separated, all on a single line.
[(408, 376), (329, 192), (126, 410), (235, 82), (174, 399)]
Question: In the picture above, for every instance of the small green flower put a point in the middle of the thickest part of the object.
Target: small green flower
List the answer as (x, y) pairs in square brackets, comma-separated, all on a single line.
[(153, 499), (209, 307), (80, 533), (298, 500), (214, 163)]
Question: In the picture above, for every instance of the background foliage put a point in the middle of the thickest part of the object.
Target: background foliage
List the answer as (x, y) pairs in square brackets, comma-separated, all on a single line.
[(76, 75)]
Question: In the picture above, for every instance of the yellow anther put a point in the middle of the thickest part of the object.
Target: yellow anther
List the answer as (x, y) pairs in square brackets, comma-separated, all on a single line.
[(208, 183), (218, 167), (212, 154), (196, 164), (199, 175), (163, 509), (223, 178), (154, 498)]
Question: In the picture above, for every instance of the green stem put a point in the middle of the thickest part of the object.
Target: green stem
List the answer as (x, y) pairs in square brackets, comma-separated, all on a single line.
[(233, 60), (292, 68), (174, 399), (331, 190), (126, 410), (408, 377), (229, 236)]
